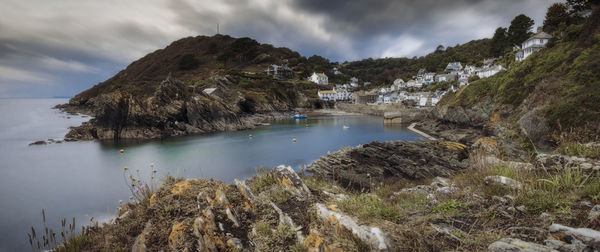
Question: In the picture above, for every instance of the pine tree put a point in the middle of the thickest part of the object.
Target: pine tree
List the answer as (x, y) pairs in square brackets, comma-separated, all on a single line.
[(499, 42), (520, 29), (556, 14)]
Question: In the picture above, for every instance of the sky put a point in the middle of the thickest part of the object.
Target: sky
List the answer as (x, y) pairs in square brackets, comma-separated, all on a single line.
[(62, 47)]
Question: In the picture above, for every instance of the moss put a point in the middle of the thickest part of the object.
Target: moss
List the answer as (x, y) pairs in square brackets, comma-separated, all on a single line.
[(448, 207)]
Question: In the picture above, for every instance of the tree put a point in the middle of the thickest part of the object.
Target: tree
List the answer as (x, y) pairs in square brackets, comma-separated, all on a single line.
[(499, 42), (556, 14), (520, 29), (439, 48), (579, 5)]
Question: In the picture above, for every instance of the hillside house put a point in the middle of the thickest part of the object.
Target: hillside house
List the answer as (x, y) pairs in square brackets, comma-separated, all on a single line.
[(429, 78), (398, 84), (446, 77), (534, 43), (336, 71), (489, 71), (453, 67), (280, 72), (319, 78), (364, 98), (470, 70), (327, 95)]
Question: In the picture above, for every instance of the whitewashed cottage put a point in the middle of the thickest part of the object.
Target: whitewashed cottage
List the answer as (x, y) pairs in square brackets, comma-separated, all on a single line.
[(533, 44), (319, 78)]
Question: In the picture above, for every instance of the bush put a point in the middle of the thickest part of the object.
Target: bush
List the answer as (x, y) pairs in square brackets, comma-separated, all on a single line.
[(188, 62)]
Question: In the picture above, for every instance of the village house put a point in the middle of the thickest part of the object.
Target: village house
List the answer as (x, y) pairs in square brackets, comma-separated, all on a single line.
[(470, 70), (337, 94), (446, 77), (533, 44), (327, 95), (319, 78), (489, 71), (429, 78), (336, 71), (453, 67), (398, 84), (413, 83), (280, 72)]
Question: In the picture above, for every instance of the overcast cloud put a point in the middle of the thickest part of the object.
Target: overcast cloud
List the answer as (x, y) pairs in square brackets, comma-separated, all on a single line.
[(59, 48)]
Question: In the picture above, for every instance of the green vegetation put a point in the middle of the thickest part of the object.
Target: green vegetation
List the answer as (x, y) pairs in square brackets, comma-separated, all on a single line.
[(561, 79), (450, 206), (263, 181), (370, 206)]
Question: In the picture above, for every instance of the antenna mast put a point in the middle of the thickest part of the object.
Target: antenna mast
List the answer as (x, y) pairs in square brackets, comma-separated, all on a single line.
[(217, 28)]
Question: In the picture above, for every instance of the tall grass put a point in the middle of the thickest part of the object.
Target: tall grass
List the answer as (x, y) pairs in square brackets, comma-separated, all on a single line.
[(140, 190), (46, 239)]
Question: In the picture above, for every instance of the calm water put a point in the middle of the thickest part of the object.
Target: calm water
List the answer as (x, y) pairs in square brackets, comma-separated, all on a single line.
[(86, 178)]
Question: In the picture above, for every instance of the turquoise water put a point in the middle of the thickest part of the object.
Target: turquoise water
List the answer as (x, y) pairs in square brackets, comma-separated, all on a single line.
[(81, 179)]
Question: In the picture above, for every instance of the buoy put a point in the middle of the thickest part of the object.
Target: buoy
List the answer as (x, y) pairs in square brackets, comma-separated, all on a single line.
[(122, 150), (306, 125), (294, 139), (250, 135)]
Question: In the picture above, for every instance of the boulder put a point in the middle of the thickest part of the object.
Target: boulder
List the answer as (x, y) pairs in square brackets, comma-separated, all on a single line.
[(594, 213), (372, 236), (556, 162), (503, 181), (535, 128), (589, 237), (517, 245), (289, 179)]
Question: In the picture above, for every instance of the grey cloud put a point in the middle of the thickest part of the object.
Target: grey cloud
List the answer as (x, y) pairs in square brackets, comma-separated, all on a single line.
[(77, 44)]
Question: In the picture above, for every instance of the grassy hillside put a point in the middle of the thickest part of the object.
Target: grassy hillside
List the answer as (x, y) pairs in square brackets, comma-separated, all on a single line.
[(562, 81)]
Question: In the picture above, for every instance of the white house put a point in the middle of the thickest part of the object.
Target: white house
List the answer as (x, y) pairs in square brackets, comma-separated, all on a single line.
[(334, 95), (413, 83), (533, 44), (453, 67), (336, 71), (470, 70), (429, 78), (489, 71), (319, 78)]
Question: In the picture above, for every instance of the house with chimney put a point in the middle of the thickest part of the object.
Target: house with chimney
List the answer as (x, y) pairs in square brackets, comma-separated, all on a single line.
[(319, 78), (533, 44)]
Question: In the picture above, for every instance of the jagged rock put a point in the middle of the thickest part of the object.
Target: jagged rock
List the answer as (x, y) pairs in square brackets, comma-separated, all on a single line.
[(336, 196), (528, 233), (41, 142), (589, 237), (313, 242), (289, 179), (594, 213), (574, 246), (177, 236), (517, 245), (557, 162), (373, 236), (486, 145), (139, 245), (235, 243), (285, 219), (438, 186), (358, 167), (535, 128), (494, 161), (503, 181)]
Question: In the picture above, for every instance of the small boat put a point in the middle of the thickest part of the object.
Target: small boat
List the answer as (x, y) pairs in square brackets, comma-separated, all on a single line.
[(346, 127), (299, 116)]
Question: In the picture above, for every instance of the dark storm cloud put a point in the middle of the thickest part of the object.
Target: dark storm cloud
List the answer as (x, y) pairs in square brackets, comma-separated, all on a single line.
[(60, 48)]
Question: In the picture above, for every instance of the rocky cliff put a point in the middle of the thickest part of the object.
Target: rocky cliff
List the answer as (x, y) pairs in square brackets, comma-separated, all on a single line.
[(194, 86)]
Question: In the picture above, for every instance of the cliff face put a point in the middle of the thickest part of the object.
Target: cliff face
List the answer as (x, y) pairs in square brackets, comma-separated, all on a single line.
[(163, 94)]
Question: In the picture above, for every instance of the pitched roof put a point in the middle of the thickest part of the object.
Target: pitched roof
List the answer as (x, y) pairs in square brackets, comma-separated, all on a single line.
[(541, 35), (327, 92)]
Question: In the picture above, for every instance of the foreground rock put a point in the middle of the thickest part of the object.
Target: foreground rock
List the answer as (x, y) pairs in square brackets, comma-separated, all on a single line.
[(368, 165)]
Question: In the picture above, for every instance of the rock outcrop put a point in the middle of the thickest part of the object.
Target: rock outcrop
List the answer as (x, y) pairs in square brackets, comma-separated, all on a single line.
[(368, 165)]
